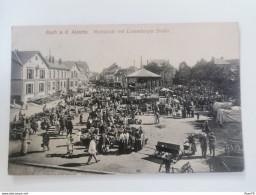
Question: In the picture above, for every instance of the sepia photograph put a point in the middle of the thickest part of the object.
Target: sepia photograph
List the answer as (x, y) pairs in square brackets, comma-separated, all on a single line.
[(125, 99)]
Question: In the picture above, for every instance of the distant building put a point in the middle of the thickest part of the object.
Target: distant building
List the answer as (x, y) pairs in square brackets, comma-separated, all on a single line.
[(57, 76), (108, 74), (120, 80), (93, 77), (227, 65), (166, 70), (73, 77), (84, 71)]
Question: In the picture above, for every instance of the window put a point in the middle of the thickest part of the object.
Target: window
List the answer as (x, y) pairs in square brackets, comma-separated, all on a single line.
[(41, 87), (76, 83), (29, 88), (30, 73), (65, 74), (58, 86), (42, 74), (54, 74), (61, 84), (62, 74), (53, 85), (71, 83), (72, 74), (58, 74), (50, 74), (49, 85), (64, 83)]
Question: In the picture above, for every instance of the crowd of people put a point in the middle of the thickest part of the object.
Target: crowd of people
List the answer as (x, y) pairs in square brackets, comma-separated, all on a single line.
[(110, 120)]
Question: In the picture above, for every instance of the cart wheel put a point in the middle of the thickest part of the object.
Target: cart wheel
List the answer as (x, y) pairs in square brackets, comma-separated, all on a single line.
[(189, 170)]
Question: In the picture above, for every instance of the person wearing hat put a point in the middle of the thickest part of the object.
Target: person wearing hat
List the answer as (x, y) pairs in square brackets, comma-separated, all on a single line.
[(70, 144), (206, 127), (46, 140), (62, 124), (203, 142), (137, 145), (212, 141), (166, 162), (92, 150), (69, 126)]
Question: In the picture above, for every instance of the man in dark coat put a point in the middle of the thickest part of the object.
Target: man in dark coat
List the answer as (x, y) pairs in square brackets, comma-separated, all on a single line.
[(212, 141), (46, 140), (203, 142), (69, 126), (62, 124)]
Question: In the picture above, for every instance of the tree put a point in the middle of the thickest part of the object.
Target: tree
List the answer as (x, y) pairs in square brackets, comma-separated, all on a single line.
[(153, 67), (182, 76)]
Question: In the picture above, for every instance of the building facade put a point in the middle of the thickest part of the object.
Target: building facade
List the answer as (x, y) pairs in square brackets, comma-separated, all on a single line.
[(29, 74), (120, 80), (84, 71), (34, 76), (73, 75)]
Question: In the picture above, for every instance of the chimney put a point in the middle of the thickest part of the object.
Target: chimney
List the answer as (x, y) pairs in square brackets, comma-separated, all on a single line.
[(52, 59), (141, 62)]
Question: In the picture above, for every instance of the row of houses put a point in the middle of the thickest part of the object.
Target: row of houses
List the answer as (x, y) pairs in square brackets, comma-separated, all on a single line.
[(34, 76), (115, 76)]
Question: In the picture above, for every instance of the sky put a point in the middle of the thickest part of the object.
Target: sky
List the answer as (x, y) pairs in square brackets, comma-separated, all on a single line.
[(102, 45)]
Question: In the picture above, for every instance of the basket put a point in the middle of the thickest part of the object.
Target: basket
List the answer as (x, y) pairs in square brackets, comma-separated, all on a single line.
[(186, 166)]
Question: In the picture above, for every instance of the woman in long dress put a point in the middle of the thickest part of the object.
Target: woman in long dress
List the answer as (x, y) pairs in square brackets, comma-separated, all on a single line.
[(24, 142), (57, 127), (70, 142)]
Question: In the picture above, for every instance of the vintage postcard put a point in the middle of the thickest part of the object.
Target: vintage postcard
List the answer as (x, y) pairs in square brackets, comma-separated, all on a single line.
[(125, 99)]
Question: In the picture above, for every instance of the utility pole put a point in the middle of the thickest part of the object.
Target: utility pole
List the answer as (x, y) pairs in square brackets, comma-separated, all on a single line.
[(141, 62)]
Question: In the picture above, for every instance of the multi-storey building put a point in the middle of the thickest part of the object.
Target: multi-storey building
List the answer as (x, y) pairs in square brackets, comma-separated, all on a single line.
[(73, 75), (84, 71), (120, 76), (29, 72), (34, 76), (58, 76)]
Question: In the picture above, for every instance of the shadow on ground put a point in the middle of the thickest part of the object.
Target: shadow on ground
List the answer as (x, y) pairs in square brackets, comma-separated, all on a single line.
[(73, 164), (66, 156)]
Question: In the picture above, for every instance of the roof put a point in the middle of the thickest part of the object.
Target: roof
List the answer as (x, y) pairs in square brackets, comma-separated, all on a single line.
[(82, 66), (121, 71), (234, 61), (69, 64), (143, 73), (57, 65), (220, 61), (22, 57)]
